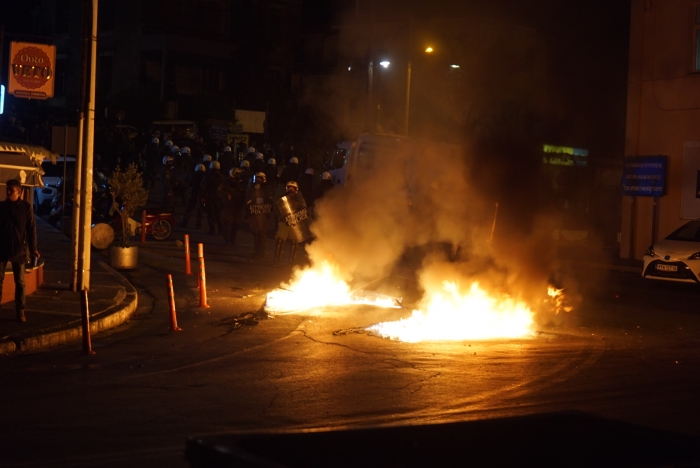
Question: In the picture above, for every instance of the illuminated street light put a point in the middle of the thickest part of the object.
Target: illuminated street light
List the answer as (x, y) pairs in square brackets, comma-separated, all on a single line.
[(454, 65), (385, 63), (428, 49)]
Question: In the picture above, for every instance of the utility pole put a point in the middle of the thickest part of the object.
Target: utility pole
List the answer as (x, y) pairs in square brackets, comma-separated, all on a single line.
[(86, 147)]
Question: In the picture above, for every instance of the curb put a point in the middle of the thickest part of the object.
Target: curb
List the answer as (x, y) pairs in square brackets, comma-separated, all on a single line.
[(109, 318)]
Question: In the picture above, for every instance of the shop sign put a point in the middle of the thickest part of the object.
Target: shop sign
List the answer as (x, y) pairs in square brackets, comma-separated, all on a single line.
[(32, 70)]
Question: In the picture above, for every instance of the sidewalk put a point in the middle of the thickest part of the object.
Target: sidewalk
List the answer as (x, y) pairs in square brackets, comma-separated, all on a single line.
[(53, 310)]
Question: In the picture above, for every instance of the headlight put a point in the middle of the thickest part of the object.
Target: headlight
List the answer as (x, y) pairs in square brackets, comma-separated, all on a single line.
[(650, 251), (695, 256)]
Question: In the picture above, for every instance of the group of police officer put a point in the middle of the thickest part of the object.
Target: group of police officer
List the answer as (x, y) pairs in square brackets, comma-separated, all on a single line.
[(245, 194)]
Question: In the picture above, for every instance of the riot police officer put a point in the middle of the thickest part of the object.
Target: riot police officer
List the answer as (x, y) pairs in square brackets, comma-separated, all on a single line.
[(232, 196), (284, 230), (209, 196), (258, 212)]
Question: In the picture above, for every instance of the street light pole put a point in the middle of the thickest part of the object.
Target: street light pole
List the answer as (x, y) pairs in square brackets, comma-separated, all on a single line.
[(84, 233)]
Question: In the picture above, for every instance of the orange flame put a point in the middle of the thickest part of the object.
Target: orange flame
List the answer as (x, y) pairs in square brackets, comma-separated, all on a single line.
[(557, 297), (316, 287), (452, 315)]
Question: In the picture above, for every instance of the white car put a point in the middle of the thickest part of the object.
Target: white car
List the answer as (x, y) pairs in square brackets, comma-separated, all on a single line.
[(677, 257), (53, 173)]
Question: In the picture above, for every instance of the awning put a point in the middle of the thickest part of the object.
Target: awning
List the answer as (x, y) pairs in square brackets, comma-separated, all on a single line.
[(23, 162), (36, 153)]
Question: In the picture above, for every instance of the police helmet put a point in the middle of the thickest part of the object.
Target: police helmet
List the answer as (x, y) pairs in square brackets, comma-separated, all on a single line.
[(214, 165), (294, 161), (250, 150), (291, 183), (167, 160), (325, 175), (272, 161), (200, 168), (100, 176), (235, 172), (185, 150), (309, 171), (245, 163), (260, 156), (227, 149), (260, 177), (174, 148), (168, 143), (155, 141), (206, 158)]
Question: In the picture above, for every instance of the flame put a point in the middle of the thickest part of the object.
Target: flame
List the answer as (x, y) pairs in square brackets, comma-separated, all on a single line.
[(450, 315), (319, 286), (447, 313), (557, 299)]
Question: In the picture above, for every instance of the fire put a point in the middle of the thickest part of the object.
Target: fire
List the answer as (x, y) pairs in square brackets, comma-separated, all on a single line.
[(446, 313), (320, 286), (558, 298), (450, 315)]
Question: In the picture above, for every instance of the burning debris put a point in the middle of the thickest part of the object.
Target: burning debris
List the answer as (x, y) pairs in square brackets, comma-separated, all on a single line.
[(321, 287), (396, 204), (453, 315), (557, 299)]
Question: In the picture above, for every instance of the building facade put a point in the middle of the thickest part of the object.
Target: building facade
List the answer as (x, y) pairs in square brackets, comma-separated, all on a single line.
[(663, 117)]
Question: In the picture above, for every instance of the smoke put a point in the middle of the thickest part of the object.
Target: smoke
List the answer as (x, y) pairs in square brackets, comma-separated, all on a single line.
[(407, 195)]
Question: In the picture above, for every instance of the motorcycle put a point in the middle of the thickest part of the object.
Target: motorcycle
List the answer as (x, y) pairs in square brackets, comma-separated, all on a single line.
[(158, 225)]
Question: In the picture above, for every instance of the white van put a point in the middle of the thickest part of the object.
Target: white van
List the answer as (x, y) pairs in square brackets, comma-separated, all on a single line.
[(349, 156)]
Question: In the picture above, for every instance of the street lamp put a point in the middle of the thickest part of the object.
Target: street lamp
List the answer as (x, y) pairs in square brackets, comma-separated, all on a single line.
[(428, 50)]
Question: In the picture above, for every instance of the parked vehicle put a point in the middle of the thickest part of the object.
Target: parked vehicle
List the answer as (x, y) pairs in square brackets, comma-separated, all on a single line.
[(158, 225), (676, 257), (53, 175), (374, 151)]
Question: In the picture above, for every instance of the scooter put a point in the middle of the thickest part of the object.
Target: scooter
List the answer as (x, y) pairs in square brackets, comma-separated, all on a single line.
[(159, 225)]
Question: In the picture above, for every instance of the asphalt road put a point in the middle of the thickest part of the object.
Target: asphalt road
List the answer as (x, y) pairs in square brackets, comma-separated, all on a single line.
[(629, 352)]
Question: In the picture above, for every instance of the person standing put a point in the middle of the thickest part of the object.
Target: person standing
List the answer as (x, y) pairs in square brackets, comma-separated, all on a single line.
[(193, 184), (209, 195), (167, 180), (232, 195), (323, 186), (271, 173), (284, 232), (17, 234), (258, 211), (290, 172), (307, 186)]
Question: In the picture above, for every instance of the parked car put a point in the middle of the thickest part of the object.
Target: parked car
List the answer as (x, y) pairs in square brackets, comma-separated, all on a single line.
[(676, 257), (53, 174)]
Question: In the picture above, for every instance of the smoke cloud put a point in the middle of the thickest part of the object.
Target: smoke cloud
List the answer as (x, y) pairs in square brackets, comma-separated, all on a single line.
[(408, 196)]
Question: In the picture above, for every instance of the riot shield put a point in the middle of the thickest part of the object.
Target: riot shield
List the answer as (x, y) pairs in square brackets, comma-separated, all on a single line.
[(293, 209)]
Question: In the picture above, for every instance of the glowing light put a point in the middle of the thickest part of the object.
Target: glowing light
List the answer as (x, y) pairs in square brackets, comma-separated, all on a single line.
[(429, 49), (446, 313), (385, 63), (452, 315), (454, 66), (558, 298), (320, 286)]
